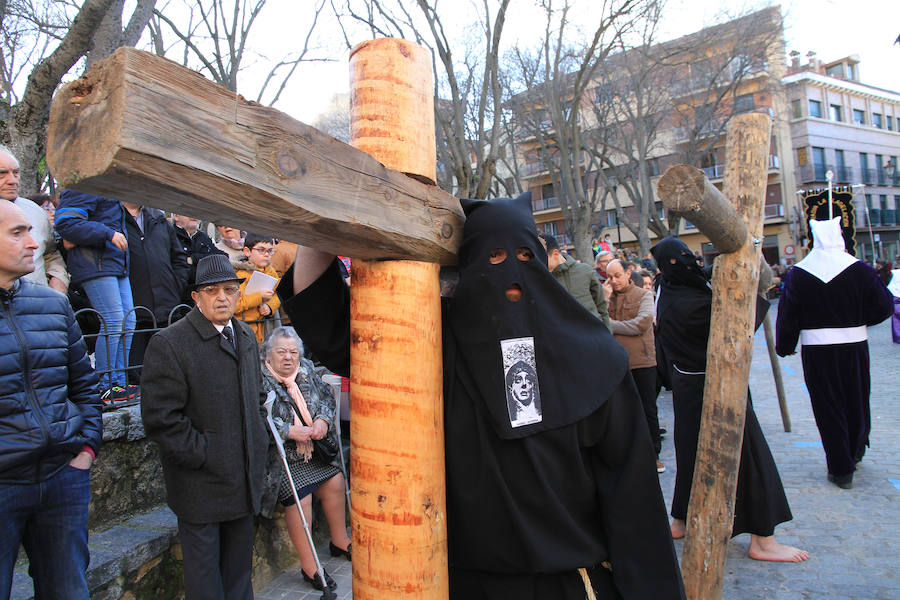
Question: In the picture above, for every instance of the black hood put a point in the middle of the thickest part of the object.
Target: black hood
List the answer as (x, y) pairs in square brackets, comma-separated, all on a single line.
[(547, 329)]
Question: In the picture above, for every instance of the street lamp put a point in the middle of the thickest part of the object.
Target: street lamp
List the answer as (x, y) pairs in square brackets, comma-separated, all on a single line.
[(889, 168)]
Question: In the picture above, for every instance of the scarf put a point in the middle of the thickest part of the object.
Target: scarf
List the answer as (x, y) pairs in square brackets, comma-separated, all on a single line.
[(234, 244), (304, 449)]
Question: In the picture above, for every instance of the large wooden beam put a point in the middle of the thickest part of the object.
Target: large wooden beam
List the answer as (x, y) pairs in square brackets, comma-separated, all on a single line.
[(729, 350), (399, 515), (687, 192), (142, 128)]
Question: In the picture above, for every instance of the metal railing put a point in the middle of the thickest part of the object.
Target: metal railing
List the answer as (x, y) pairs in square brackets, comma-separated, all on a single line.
[(106, 376)]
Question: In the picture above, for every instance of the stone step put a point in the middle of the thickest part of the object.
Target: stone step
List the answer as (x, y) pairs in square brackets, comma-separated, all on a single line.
[(118, 551)]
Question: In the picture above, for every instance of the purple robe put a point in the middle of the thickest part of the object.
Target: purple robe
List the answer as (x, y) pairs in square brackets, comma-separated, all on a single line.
[(831, 317)]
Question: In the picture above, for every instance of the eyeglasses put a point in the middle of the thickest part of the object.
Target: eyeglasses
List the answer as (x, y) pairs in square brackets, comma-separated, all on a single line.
[(213, 290), (267, 251)]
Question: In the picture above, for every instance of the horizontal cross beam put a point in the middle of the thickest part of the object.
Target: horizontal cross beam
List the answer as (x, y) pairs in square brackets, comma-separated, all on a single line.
[(141, 128)]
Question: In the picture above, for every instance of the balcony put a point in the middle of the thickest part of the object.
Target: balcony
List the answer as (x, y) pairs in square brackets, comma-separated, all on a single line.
[(888, 217), (868, 176), (718, 171), (545, 204), (812, 173), (842, 174)]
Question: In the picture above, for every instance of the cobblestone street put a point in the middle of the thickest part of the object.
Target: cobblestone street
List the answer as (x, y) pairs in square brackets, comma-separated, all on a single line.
[(852, 535)]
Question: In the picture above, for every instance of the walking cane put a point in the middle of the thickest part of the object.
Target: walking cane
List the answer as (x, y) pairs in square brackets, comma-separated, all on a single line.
[(327, 594)]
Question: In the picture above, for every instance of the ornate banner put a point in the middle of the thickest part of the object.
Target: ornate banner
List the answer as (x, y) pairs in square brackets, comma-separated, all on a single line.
[(815, 206)]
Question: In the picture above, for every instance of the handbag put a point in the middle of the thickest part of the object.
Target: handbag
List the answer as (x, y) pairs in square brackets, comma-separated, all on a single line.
[(324, 450)]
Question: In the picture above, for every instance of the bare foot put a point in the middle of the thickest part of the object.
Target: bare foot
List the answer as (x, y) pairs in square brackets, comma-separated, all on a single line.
[(678, 529), (766, 548)]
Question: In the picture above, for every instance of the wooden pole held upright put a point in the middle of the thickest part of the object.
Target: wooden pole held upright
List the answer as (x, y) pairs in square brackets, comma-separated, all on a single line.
[(734, 282), (398, 516)]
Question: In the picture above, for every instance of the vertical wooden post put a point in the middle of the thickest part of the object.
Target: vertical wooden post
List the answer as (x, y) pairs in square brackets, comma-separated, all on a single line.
[(734, 283), (398, 515), (776, 373)]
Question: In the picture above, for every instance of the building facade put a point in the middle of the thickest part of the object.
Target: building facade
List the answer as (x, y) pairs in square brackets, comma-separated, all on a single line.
[(852, 130)]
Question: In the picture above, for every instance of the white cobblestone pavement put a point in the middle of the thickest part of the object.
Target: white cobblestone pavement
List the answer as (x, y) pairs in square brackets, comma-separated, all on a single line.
[(853, 536)]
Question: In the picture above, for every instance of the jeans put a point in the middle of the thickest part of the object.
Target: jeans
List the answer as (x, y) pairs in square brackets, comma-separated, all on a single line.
[(50, 519), (111, 297)]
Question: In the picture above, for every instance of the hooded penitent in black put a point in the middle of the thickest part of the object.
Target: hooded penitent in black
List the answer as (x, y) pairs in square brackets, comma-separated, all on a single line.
[(683, 319), (549, 464)]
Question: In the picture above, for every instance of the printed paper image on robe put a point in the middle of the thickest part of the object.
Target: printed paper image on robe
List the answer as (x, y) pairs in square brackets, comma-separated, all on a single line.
[(523, 395)]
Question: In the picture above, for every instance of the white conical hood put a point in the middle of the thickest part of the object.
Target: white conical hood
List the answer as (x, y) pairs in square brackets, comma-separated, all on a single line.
[(828, 258)]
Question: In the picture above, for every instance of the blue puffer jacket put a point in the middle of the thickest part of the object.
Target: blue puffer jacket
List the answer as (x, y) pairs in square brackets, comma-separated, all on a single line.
[(90, 222), (49, 407)]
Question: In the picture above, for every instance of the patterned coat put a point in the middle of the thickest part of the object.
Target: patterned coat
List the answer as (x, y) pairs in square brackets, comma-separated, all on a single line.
[(320, 401)]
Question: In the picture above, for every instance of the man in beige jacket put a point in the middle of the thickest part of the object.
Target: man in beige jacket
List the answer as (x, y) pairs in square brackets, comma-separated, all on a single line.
[(631, 323)]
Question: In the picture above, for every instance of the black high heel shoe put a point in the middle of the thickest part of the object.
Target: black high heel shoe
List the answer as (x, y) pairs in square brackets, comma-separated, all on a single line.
[(335, 551), (316, 581)]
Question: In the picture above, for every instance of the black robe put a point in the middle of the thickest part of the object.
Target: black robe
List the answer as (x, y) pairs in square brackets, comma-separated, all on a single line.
[(836, 375), (683, 331), (525, 512)]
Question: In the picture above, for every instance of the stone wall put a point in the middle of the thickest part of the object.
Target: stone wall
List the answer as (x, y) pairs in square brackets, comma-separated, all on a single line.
[(135, 554)]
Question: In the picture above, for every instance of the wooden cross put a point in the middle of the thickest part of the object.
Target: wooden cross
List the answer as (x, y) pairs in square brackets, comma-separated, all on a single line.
[(143, 129), (733, 222)]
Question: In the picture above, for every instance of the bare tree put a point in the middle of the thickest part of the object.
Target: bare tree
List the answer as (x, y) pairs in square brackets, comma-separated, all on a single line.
[(212, 36), (557, 78), (468, 94), (335, 120)]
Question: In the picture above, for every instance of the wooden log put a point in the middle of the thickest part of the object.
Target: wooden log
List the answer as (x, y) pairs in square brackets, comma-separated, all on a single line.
[(734, 283), (144, 129), (776, 373), (687, 192), (398, 490), (766, 281)]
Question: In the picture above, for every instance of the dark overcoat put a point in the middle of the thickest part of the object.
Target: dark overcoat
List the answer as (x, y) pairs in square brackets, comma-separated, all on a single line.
[(202, 403)]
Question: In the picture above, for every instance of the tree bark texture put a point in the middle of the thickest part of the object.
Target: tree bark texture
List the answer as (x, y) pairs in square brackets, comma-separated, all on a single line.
[(687, 192), (398, 515), (734, 283), (144, 129), (27, 125)]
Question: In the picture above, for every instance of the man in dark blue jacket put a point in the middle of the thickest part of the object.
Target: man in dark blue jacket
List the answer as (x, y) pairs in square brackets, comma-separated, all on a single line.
[(50, 424)]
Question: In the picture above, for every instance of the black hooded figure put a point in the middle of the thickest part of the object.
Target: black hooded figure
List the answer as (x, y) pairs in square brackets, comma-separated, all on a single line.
[(549, 465), (683, 318)]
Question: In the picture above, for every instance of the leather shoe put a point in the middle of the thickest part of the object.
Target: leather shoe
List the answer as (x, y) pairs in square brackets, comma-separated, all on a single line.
[(317, 581), (335, 551), (845, 482)]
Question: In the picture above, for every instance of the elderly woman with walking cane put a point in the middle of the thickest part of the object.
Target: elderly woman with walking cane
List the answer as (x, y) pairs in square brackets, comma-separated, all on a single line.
[(302, 414)]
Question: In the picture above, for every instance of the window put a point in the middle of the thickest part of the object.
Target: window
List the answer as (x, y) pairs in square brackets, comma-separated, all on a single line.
[(653, 167), (863, 160), (859, 117), (890, 123), (796, 109), (876, 120), (611, 218), (841, 167), (835, 70), (815, 108), (819, 163), (743, 103), (835, 112), (818, 156), (850, 72), (882, 199)]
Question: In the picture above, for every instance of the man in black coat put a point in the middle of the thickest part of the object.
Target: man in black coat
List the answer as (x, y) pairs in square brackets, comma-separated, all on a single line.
[(202, 403), (158, 271)]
